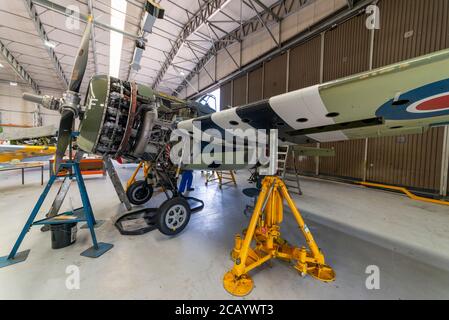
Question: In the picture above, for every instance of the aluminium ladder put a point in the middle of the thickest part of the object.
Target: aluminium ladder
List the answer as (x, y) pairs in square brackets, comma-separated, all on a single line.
[(290, 177)]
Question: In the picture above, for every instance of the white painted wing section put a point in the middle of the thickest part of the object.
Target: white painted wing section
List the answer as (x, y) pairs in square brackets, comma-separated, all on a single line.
[(307, 106), (12, 133), (302, 104)]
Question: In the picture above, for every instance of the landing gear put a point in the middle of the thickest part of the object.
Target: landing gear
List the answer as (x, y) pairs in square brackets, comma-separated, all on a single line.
[(173, 217), (140, 192)]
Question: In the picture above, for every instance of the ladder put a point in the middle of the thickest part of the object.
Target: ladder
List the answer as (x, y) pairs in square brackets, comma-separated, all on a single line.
[(222, 176), (290, 177)]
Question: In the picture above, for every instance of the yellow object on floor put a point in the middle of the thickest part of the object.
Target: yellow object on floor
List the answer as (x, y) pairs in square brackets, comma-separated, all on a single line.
[(407, 192), (264, 229), (221, 177)]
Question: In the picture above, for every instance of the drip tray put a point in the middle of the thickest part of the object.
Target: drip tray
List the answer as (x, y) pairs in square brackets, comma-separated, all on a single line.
[(137, 222)]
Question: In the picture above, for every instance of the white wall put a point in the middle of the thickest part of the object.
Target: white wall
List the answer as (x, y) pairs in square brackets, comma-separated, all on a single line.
[(14, 110)]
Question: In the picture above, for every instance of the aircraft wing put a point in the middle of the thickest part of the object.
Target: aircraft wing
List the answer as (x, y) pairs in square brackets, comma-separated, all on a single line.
[(10, 153), (404, 98), (13, 133)]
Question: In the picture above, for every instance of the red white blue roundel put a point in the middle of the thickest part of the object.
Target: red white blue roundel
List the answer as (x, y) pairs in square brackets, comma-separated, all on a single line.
[(429, 101)]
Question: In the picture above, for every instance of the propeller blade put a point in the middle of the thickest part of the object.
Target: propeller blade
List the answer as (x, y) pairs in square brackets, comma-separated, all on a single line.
[(64, 136), (81, 59)]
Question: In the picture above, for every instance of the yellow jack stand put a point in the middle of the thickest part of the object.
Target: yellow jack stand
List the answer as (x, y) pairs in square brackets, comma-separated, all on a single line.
[(264, 229)]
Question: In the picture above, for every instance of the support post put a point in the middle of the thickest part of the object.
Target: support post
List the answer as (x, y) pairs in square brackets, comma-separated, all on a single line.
[(445, 164), (117, 183)]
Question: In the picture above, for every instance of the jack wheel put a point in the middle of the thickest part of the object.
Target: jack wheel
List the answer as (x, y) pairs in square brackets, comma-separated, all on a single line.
[(238, 286), (140, 192), (173, 217)]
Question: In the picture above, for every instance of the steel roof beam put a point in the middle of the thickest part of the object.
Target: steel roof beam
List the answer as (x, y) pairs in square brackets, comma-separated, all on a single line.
[(268, 10), (83, 18), (281, 9), (18, 68), (285, 7), (195, 21), (31, 8), (263, 22)]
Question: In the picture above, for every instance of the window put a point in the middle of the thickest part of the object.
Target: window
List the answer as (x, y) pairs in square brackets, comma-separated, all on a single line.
[(212, 100)]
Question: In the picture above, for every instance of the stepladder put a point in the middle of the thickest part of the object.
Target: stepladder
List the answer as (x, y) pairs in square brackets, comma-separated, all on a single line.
[(289, 168), (222, 177)]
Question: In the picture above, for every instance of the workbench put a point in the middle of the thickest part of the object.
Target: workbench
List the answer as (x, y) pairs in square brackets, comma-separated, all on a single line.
[(26, 165)]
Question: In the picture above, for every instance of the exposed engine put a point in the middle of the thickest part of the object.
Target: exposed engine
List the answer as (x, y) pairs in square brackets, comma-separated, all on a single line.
[(121, 119)]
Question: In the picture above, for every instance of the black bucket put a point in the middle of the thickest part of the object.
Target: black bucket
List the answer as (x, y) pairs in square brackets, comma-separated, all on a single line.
[(63, 235)]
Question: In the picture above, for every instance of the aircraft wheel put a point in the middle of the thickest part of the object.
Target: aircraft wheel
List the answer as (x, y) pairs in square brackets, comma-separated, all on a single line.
[(139, 192), (173, 217)]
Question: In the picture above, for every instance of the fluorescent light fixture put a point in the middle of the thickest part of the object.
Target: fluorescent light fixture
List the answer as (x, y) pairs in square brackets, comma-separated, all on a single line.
[(1, 66), (118, 17), (50, 44), (13, 84)]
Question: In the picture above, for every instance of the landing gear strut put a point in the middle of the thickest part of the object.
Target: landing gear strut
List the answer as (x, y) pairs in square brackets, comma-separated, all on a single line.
[(264, 229)]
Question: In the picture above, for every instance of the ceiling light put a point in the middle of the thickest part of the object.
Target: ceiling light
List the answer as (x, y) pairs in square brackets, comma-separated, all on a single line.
[(50, 44), (182, 73), (118, 17), (1, 66), (13, 84)]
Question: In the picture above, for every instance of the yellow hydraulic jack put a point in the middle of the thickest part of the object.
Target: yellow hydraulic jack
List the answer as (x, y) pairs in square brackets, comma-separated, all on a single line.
[(264, 229)]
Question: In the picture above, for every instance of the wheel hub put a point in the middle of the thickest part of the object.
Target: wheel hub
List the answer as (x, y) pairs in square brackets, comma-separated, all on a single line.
[(175, 217)]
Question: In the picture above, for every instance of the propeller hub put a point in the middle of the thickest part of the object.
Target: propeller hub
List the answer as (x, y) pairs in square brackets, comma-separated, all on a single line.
[(71, 101)]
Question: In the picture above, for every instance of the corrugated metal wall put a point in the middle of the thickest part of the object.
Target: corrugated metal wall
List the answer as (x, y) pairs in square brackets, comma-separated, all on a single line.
[(349, 160), (275, 77), (307, 165), (413, 160), (305, 63), (226, 96), (408, 28), (255, 85), (346, 49), (239, 93)]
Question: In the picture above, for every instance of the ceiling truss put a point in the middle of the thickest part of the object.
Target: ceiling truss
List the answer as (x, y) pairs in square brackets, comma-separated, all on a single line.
[(43, 35), (18, 68), (261, 20)]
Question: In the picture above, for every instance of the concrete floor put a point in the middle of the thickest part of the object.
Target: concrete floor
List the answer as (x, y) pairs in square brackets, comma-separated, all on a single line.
[(355, 227)]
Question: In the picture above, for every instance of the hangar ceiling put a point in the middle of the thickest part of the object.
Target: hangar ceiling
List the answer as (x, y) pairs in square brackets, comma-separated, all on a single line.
[(43, 40)]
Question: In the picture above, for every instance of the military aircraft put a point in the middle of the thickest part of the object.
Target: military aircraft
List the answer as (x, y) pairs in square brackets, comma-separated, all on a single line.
[(125, 119), (132, 121)]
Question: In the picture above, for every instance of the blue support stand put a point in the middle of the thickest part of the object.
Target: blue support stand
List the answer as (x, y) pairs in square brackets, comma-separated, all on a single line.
[(83, 214)]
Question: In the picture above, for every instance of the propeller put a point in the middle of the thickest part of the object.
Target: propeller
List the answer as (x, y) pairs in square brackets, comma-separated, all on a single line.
[(69, 104)]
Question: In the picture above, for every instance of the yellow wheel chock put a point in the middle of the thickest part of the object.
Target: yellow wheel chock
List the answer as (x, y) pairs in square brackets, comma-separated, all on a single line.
[(264, 230)]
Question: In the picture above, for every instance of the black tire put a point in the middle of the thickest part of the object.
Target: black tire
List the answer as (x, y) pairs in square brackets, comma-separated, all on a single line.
[(174, 216), (140, 192)]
